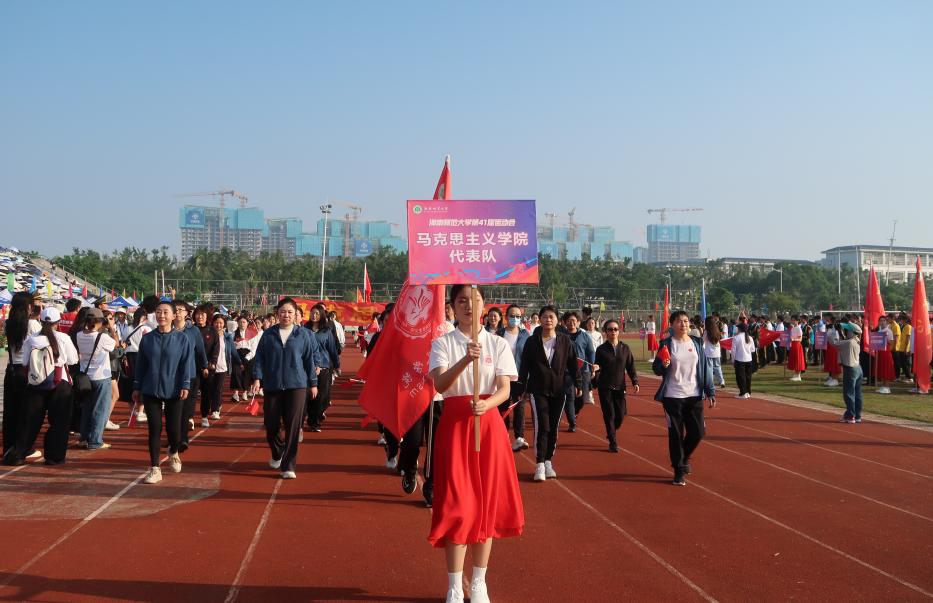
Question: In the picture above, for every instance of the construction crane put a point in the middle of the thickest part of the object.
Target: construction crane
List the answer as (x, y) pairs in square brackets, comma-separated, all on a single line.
[(663, 211), (572, 226), (349, 218), (223, 204)]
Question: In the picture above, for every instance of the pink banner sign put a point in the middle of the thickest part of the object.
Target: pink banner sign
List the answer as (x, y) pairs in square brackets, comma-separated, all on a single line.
[(819, 341), (785, 339), (877, 341), (472, 242)]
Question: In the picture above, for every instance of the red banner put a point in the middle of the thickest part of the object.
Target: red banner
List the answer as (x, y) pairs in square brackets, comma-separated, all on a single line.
[(348, 314)]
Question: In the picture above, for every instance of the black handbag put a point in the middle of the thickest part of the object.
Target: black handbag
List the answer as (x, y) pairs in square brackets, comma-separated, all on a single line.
[(82, 383)]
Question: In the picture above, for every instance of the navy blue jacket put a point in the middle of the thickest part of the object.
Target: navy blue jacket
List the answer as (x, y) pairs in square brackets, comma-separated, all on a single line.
[(289, 366), (197, 340), (585, 349), (164, 365), (704, 375), (327, 341), (523, 336)]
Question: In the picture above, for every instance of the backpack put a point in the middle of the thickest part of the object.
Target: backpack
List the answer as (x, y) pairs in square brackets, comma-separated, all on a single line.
[(42, 368)]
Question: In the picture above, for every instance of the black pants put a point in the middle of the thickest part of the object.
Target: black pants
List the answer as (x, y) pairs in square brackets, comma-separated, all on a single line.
[(547, 411), (781, 353), (212, 393), (14, 394), (187, 412), (409, 449), (685, 428), (320, 403), (743, 377), (614, 407), (517, 418), (54, 403), (284, 406), (174, 408)]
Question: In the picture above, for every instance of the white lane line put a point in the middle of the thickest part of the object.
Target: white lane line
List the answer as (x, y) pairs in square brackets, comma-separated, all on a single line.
[(802, 476), (660, 560), (234, 591), (778, 523), (25, 567), (14, 470)]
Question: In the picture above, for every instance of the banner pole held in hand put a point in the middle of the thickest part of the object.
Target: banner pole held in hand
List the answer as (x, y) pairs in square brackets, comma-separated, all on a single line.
[(474, 331)]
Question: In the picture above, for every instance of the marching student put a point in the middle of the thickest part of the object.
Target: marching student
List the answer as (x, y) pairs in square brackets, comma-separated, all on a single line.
[(493, 320), (651, 337), (55, 352), (322, 330), (903, 348), (18, 327), (575, 396), (221, 359), (548, 356), (686, 382), (162, 380), (245, 341), (743, 357), (831, 355), (884, 359), (94, 346), (285, 345), (476, 495), (131, 349), (613, 360), (713, 350), (796, 361), (193, 333), (515, 336)]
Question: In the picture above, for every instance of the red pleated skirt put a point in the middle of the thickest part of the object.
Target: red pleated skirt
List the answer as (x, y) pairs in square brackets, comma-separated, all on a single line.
[(795, 359), (652, 342), (476, 495), (831, 361), (885, 366)]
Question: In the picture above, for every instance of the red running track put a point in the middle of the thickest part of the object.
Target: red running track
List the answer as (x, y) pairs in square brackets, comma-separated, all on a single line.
[(783, 503)]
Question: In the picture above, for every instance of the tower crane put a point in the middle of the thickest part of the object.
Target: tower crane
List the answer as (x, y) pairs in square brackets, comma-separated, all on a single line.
[(349, 218), (572, 226), (663, 211)]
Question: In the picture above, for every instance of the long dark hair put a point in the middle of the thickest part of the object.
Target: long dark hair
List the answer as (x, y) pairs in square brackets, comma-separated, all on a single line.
[(17, 324), (78, 325), (713, 334), (48, 329), (743, 328), (323, 322)]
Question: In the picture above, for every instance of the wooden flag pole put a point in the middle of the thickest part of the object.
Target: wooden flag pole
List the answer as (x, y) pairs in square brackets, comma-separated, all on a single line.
[(474, 335)]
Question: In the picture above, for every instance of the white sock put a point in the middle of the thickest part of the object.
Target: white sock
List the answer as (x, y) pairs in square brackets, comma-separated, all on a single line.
[(479, 575), (455, 581)]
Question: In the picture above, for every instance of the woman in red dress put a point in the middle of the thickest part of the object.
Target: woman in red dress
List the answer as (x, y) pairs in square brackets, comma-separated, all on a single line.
[(795, 359), (651, 337), (885, 358), (476, 495)]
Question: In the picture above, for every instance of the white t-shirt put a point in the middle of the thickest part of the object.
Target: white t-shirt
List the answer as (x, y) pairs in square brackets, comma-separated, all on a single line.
[(134, 336), (341, 334), (67, 354), (549, 345), (97, 367), (796, 332), (778, 326), (596, 337), (649, 328), (741, 350), (496, 360), (221, 365), (285, 333), (512, 340), (682, 376), (32, 327), (712, 350)]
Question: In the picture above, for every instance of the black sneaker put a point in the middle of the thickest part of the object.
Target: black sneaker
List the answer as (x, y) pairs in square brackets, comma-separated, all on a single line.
[(613, 447), (679, 478), (428, 490), (572, 428), (685, 468), (409, 483)]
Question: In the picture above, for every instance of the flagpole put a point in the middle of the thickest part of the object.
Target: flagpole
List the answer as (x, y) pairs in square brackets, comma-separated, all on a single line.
[(474, 334)]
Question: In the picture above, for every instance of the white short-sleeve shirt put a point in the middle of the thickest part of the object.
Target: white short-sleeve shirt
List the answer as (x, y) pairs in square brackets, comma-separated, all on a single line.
[(98, 367), (67, 354), (497, 360), (32, 328), (682, 377)]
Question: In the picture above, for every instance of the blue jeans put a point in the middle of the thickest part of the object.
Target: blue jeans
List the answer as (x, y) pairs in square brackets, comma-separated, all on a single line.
[(852, 391), (715, 367), (95, 412), (573, 404)]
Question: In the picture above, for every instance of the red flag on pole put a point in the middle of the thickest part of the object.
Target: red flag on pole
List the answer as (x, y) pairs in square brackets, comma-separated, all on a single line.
[(874, 307), (920, 321), (667, 312), (359, 296), (442, 191), (767, 337), (367, 286)]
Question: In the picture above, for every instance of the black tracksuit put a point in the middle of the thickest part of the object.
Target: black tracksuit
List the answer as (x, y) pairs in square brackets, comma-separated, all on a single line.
[(545, 382), (614, 362)]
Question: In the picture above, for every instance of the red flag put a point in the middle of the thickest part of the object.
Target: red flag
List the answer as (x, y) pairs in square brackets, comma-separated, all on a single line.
[(874, 307), (767, 337), (359, 296), (726, 343), (367, 286), (442, 191), (84, 292), (253, 407), (667, 312), (397, 389), (664, 353), (920, 321)]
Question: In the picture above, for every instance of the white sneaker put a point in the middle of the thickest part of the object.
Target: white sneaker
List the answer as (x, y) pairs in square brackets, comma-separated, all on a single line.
[(174, 462), (141, 416), (519, 444), (589, 398), (539, 473), (478, 593), (454, 596), (747, 396), (381, 441), (111, 426), (236, 396), (549, 470), (884, 390), (154, 476), (205, 422), (215, 415), (275, 464), (35, 454), (191, 423), (795, 379), (301, 436), (288, 475), (392, 463)]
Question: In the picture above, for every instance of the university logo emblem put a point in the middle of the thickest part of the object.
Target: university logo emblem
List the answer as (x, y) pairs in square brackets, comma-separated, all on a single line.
[(413, 312)]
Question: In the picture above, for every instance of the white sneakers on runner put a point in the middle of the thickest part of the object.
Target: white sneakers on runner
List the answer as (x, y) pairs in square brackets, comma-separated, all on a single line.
[(154, 476), (478, 593), (236, 397), (215, 415), (519, 444), (549, 470), (288, 475), (205, 422), (174, 461), (275, 464), (539, 473), (111, 426), (392, 463)]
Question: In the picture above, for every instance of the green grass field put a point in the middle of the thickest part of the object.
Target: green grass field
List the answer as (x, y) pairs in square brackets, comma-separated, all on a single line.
[(771, 380)]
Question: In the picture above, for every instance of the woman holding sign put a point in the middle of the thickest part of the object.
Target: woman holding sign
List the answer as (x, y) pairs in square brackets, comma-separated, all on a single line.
[(476, 495)]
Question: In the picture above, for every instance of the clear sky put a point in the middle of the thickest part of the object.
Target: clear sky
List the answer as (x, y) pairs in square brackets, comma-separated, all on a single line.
[(798, 126)]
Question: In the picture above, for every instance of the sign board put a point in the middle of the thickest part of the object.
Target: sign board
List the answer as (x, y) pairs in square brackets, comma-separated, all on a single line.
[(362, 248), (472, 242), (819, 341), (785, 339), (878, 341), (194, 217)]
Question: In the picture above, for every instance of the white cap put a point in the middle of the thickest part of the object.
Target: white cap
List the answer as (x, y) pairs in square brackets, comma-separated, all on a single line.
[(50, 314)]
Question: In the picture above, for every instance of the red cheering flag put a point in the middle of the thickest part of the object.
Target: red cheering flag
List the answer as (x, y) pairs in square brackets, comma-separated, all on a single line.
[(667, 312), (874, 307), (397, 389), (359, 296), (726, 343), (367, 286), (664, 353), (84, 292), (767, 337), (920, 321), (442, 191)]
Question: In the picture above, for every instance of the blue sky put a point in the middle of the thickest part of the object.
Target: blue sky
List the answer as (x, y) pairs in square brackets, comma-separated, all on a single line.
[(798, 126)]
